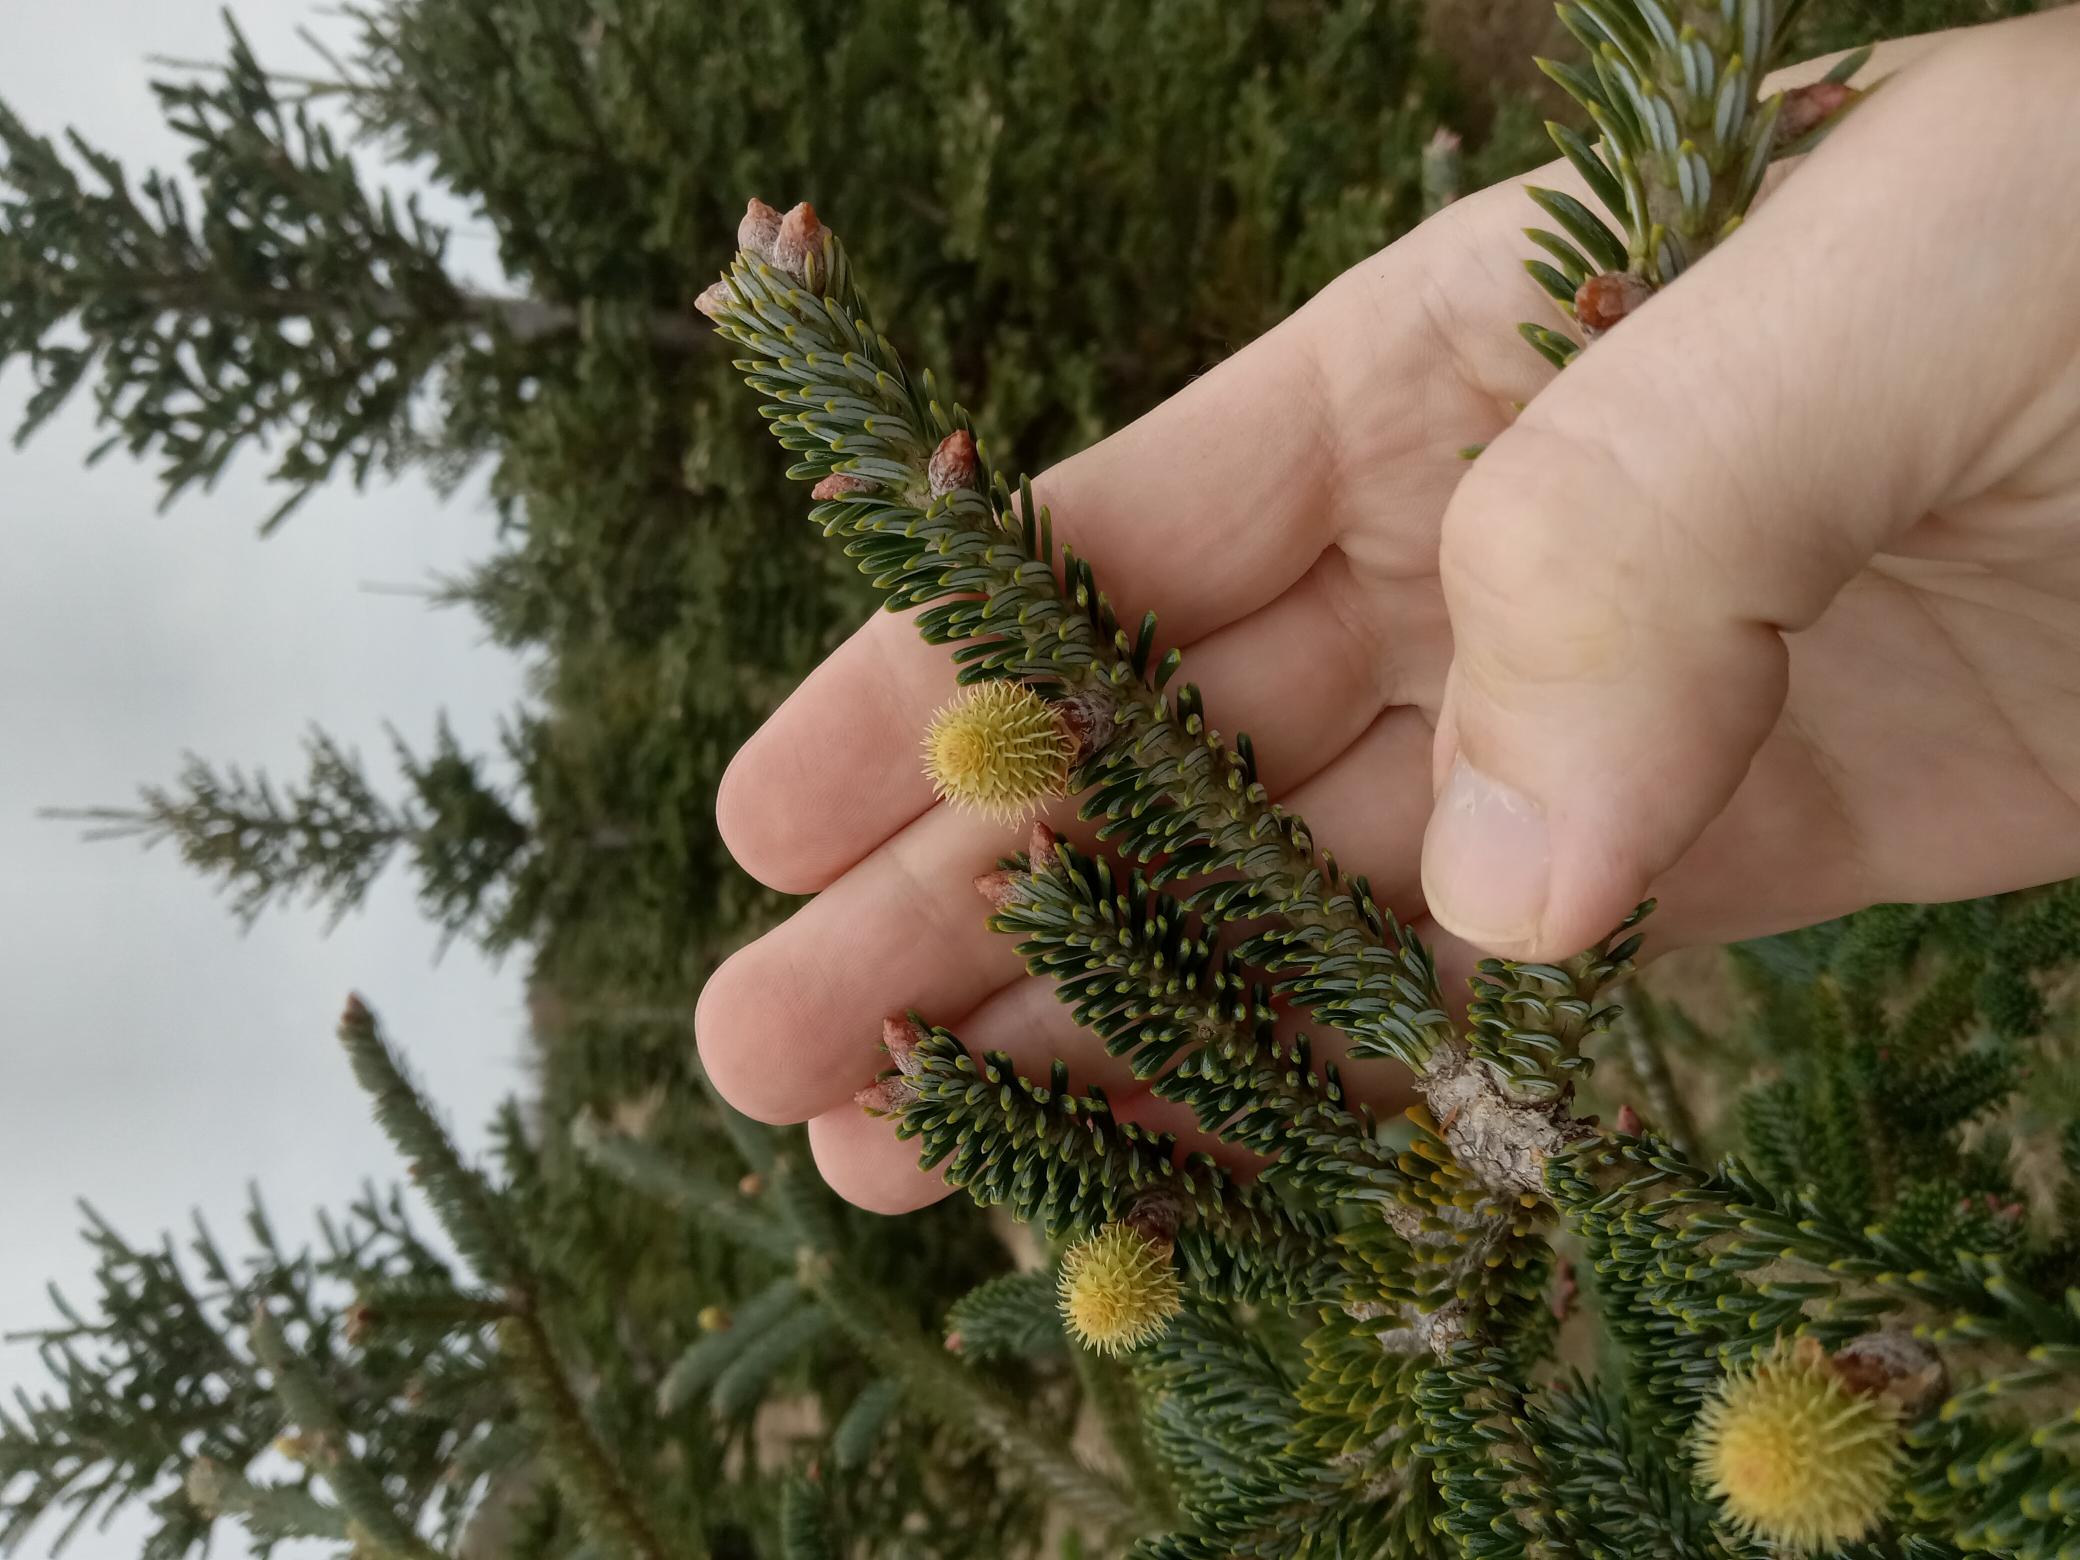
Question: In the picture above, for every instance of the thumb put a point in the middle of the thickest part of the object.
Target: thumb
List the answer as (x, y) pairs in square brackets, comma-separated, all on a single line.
[(1622, 566)]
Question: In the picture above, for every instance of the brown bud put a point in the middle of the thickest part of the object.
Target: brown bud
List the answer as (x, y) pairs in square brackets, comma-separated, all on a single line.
[(714, 298), (355, 1014), (751, 1184), (840, 484), (1565, 1289), (1001, 888), (1154, 1216), (1040, 848), (801, 237), (1628, 1121), (955, 1343), (885, 1097), (1089, 718), (1602, 301), (1891, 1364), (1806, 109), (206, 1484), (361, 1321), (900, 1037), (953, 464), (759, 230)]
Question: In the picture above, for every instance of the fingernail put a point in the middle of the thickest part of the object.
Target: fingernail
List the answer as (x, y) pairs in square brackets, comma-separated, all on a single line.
[(1487, 860)]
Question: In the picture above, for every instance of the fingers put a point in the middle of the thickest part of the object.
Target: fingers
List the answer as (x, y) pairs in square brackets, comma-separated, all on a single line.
[(1622, 566), (1208, 508), (836, 772), (786, 1026)]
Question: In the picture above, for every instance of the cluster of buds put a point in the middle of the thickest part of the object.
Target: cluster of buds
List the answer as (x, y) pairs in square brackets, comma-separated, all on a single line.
[(786, 243), (1005, 887), (901, 1035)]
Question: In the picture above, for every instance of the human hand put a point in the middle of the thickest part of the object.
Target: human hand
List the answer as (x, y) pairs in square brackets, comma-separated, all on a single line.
[(1770, 606)]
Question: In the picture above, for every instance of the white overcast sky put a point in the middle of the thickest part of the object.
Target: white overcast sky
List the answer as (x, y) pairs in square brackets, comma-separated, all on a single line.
[(152, 1059)]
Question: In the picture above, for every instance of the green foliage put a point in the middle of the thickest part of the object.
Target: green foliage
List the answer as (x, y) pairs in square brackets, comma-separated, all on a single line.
[(664, 1336), (1725, 1264), (1220, 1409), (1618, 1493), (1137, 970), (1062, 1160), (327, 838), (1898, 1040), (804, 1526), (1682, 138), (1015, 1315), (294, 304), (1420, 1292), (1850, 24), (158, 1393)]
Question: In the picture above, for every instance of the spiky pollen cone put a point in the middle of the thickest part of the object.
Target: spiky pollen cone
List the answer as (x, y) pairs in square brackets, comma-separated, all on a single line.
[(1796, 1454), (999, 749), (1119, 1289)]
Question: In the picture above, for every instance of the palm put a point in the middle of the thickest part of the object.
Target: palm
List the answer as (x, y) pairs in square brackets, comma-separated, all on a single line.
[(1284, 515)]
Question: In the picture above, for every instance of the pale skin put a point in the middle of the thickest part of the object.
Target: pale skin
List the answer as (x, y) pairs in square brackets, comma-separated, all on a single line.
[(1769, 606)]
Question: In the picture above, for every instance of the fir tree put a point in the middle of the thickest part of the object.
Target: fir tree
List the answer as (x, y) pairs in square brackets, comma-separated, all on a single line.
[(327, 838)]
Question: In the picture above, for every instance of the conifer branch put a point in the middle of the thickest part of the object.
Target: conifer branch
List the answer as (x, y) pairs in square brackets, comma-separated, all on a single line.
[(1225, 1417), (936, 1383), (1497, 1492), (902, 480), (1615, 1496), (1167, 996), (584, 1471), (283, 302), (1684, 136), (686, 1189), (1062, 1161), (328, 836), (372, 1518), (933, 1380), (1112, 1395), (474, 1215), (268, 1510)]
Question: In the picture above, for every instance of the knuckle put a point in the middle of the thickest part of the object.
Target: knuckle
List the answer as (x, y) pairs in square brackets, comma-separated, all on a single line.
[(1535, 594)]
